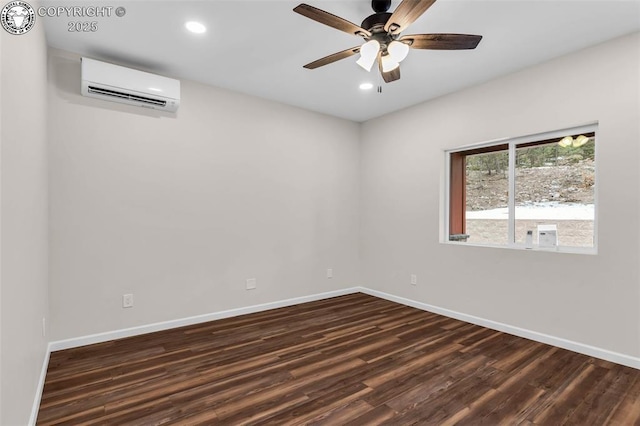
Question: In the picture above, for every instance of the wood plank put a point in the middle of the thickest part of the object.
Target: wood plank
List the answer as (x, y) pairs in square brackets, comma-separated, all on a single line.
[(563, 402)]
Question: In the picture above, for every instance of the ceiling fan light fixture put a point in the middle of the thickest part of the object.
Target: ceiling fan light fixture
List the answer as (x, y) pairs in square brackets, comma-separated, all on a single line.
[(366, 86), (368, 54), (398, 50), (388, 63)]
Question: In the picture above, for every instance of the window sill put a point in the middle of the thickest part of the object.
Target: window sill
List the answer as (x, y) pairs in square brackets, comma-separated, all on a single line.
[(559, 249)]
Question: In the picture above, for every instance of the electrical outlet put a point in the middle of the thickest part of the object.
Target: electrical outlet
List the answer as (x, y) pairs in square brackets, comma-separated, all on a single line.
[(329, 273), (251, 283), (127, 300), (414, 279)]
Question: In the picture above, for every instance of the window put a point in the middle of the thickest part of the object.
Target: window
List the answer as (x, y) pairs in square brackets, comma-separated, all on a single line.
[(530, 192)]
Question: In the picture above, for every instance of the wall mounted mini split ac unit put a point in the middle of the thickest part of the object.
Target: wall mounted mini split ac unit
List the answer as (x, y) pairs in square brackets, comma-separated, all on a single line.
[(128, 86)]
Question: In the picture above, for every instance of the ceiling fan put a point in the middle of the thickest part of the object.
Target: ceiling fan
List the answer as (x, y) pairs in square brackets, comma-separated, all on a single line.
[(381, 31)]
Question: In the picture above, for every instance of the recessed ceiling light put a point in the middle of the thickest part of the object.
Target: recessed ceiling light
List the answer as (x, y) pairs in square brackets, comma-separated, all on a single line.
[(366, 86), (195, 27)]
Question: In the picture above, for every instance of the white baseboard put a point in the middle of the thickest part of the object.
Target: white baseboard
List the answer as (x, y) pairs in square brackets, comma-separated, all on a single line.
[(607, 355), (581, 348), (40, 388), (166, 325)]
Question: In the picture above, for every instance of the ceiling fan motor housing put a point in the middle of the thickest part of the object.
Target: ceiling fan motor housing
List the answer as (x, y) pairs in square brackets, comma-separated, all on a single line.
[(375, 25), (375, 22)]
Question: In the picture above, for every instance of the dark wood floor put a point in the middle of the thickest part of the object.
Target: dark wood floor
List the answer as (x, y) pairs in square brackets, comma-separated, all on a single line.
[(354, 359)]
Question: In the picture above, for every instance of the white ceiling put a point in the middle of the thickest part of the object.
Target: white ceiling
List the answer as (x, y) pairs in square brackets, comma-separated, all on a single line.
[(258, 47)]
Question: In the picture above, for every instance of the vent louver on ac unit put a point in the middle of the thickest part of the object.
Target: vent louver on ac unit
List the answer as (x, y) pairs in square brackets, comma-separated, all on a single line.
[(125, 85), (121, 95)]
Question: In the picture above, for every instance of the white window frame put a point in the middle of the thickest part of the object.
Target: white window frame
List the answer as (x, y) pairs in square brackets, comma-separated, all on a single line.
[(511, 204)]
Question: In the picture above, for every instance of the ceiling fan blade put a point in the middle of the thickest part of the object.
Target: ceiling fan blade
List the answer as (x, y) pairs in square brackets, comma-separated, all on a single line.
[(331, 20), (332, 58), (389, 76), (405, 14), (442, 41)]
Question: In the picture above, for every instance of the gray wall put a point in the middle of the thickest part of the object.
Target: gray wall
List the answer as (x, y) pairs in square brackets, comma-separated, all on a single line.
[(23, 224), (181, 210), (593, 300)]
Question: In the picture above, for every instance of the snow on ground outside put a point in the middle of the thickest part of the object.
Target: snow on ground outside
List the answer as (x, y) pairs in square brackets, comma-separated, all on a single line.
[(539, 211)]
